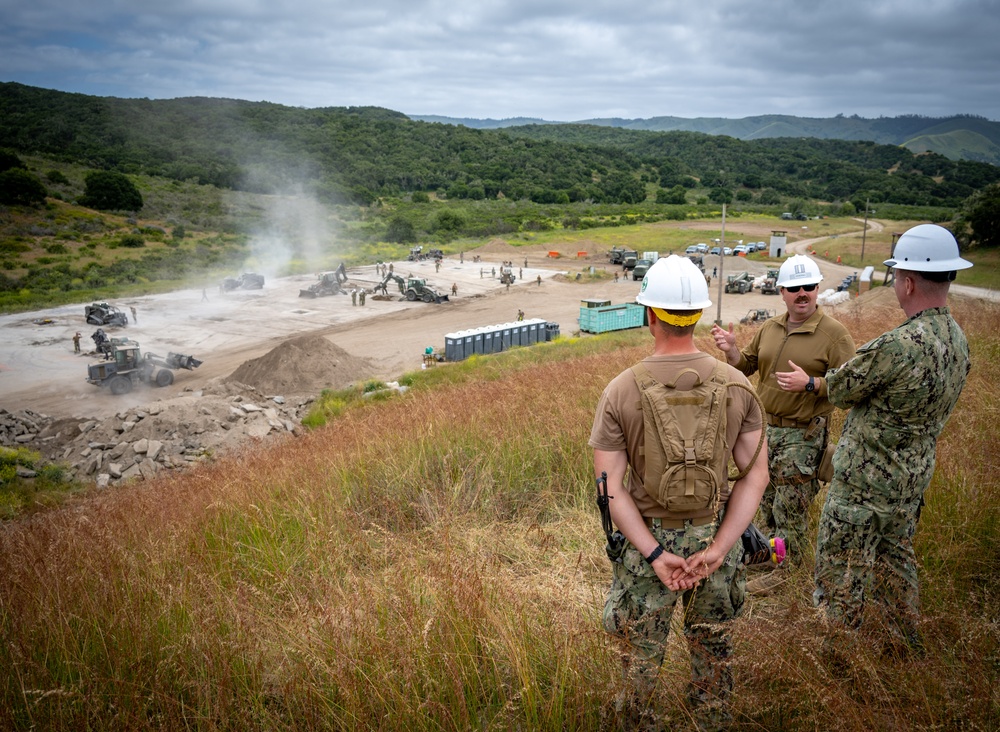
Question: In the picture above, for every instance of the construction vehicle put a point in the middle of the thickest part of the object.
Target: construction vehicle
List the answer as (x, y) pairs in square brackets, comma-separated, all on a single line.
[(418, 254), (770, 284), (616, 255), (629, 258), (758, 315), (100, 313), (507, 274), (330, 283), (411, 289), (740, 282), (125, 366), (246, 281), (418, 289)]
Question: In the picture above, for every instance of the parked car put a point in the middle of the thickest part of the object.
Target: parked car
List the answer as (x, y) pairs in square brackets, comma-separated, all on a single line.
[(761, 246), (727, 251), (693, 249), (702, 248), (714, 250), (741, 249)]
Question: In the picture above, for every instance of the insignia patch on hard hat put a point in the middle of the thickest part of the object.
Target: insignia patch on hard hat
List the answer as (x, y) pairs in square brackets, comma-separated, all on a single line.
[(645, 280)]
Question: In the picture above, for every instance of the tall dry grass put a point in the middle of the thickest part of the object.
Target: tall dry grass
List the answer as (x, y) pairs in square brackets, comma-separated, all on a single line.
[(435, 562)]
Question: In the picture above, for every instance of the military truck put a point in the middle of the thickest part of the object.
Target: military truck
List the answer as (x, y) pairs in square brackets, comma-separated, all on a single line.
[(740, 282), (125, 366), (330, 283), (417, 254), (616, 254), (507, 274), (629, 258), (641, 268), (100, 313)]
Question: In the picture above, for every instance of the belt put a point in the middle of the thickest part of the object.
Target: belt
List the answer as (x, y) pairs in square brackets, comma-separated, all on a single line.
[(774, 421), (666, 523)]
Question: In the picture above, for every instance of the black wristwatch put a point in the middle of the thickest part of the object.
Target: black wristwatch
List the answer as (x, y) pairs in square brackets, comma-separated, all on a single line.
[(654, 554), (811, 386)]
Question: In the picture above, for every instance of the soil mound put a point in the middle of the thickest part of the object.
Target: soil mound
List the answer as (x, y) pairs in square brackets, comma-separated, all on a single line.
[(304, 365)]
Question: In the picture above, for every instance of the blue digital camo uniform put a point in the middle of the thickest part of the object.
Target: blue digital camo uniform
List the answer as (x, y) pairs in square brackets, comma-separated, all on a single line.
[(901, 388)]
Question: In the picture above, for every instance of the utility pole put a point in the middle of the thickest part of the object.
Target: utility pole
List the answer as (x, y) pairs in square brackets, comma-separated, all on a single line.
[(722, 260), (864, 234)]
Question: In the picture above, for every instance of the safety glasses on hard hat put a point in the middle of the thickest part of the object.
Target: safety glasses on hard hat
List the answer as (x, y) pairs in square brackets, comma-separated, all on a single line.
[(796, 288)]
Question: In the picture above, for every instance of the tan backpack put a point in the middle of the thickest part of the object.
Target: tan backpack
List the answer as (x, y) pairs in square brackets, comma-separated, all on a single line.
[(685, 441)]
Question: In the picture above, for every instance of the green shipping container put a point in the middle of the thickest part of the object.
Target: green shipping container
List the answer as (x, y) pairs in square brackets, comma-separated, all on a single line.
[(611, 317)]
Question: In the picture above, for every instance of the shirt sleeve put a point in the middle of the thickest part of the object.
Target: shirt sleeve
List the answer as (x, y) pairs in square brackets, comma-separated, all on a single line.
[(868, 372)]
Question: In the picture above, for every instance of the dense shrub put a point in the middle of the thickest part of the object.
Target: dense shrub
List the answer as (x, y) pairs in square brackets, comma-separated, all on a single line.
[(107, 190), (18, 186)]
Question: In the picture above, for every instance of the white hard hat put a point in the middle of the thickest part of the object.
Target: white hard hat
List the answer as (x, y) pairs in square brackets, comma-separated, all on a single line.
[(927, 248), (674, 283), (799, 270)]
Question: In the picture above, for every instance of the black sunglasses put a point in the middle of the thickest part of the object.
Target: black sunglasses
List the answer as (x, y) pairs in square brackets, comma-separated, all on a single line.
[(796, 288)]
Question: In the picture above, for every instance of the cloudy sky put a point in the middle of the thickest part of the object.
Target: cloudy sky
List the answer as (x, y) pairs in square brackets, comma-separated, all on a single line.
[(553, 59)]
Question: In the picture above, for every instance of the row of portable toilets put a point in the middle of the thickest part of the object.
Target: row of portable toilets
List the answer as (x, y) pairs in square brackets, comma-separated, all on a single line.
[(497, 338)]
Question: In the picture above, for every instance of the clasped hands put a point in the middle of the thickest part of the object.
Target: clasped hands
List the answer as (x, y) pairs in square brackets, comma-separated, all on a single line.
[(680, 574)]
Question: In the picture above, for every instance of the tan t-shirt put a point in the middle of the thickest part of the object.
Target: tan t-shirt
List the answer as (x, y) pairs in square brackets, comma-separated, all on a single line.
[(618, 423)]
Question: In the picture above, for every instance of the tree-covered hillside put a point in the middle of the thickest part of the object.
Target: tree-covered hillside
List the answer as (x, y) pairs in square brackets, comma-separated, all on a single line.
[(359, 154)]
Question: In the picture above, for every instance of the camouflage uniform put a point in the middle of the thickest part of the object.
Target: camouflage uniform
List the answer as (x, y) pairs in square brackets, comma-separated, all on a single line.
[(639, 608), (901, 389), (819, 344)]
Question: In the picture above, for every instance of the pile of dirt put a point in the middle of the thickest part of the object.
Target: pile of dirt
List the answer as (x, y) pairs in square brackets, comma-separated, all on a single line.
[(305, 365)]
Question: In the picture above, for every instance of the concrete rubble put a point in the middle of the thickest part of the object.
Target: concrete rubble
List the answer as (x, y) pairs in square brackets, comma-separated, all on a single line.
[(141, 441)]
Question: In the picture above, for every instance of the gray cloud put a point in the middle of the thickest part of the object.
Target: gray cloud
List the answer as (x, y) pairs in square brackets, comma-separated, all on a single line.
[(553, 59)]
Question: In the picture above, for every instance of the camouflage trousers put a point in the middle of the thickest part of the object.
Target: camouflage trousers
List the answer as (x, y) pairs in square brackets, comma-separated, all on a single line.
[(784, 510), (864, 553), (639, 608)]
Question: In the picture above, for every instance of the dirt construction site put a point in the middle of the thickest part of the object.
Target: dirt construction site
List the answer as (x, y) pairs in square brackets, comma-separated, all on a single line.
[(267, 353)]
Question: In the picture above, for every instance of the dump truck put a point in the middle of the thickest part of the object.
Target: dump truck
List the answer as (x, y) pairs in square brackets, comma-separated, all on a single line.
[(740, 282), (329, 283), (100, 313), (246, 281), (758, 315), (125, 366), (770, 284)]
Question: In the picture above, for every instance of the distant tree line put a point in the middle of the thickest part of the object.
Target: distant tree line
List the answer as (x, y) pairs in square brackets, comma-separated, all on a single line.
[(359, 154)]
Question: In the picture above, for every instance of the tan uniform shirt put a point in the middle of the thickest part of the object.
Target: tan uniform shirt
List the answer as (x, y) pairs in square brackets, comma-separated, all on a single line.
[(618, 424), (818, 345)]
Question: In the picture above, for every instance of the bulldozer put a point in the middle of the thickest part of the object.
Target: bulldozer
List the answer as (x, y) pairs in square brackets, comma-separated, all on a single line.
[(100, 313), (740, 282), (330, 283), (125, 366), (758, 315), (770, 284)]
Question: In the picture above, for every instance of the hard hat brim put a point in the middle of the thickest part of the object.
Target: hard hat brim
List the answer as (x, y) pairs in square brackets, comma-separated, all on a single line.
[(947, 265)]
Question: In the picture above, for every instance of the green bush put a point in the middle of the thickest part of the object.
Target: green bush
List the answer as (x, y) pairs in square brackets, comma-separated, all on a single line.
[(107, 190), (132, 241), (19, 187), (55, 176)]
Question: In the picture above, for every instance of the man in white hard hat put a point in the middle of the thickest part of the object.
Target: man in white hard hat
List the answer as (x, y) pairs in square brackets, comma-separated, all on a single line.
[(798, 410), (672, 546), (901, 388)]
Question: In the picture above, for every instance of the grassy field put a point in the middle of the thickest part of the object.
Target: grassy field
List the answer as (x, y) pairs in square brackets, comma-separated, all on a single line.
[(434, 561)]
